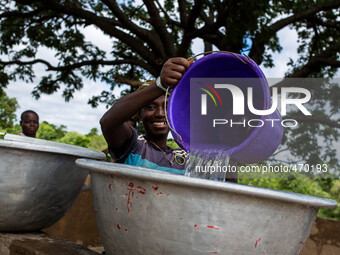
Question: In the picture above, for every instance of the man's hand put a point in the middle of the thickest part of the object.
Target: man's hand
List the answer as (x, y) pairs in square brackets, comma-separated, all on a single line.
[(173, 71)]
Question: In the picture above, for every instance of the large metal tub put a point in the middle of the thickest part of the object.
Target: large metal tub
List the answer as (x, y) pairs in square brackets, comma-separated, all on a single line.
[(39, 181), (144, 211)]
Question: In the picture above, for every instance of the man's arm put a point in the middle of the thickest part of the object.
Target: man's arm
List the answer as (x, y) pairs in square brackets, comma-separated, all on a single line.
[(114, 128)]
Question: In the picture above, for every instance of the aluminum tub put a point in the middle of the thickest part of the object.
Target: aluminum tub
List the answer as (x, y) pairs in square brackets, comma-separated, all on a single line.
[(39, 181), (144, 211)]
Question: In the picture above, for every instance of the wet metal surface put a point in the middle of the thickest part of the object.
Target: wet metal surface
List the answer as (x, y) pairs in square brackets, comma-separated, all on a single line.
[(38, 181), (143, 211)]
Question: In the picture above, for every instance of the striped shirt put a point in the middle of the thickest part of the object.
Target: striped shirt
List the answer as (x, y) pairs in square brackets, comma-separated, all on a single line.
[(140, 152)]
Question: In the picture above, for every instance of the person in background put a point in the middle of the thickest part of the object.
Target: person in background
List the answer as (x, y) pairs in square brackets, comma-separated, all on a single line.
[(29, 123), (125, 144)]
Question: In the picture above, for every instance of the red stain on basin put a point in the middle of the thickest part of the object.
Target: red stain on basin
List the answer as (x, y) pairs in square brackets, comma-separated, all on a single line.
[(132, 190), (213, 227), (110, 185), (118, 226), (129, 204), (155, 187), (257, 241), (301, 244), (196, 227), (141, 190)]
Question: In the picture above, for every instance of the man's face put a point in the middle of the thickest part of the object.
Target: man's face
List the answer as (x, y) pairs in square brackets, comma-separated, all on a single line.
[(153, 118), (30, 124)]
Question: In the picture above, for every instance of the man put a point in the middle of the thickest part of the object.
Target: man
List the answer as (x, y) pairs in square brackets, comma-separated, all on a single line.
[(124, 142), (29, 123)]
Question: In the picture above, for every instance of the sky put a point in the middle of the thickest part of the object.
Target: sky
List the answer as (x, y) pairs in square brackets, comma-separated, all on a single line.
[(78, 116)]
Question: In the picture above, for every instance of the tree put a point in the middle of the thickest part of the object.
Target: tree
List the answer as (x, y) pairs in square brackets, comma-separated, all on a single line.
[(302, 185), (97, 142), (49, 131), (75, 138), (8, 106), (147, 33)]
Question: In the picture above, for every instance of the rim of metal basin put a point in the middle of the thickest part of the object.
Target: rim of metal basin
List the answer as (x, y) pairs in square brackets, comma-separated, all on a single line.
[(35, 144), (165, 177)]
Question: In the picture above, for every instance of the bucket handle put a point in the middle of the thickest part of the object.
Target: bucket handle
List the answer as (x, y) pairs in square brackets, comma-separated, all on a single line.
[(191, 60), (166, 115)]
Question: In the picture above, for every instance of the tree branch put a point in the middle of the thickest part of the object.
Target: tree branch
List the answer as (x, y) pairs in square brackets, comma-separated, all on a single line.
[(194, 14), (209, 32), (260, 40), (303, 14), (167, 17), (313, 65), (278, 152), (208, 20), (157, 23), (316, 119), (32, 62), (123, 80), (187, 36), (105, 24), (80, 64), (328, 24), (126, 23), (183, 12), (288, 162), (21, 14)]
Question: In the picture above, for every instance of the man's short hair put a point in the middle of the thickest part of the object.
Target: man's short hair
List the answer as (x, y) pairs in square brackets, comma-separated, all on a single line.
[(28, 111)]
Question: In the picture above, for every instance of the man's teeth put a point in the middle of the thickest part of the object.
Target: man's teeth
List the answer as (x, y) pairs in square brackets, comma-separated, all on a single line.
[(159, 123)]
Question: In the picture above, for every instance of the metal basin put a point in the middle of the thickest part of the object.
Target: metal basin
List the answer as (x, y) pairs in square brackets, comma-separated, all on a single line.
[(39, 181), (144, 211)]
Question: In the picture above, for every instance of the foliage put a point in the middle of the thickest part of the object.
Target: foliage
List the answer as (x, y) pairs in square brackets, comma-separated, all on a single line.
[(316, 138), (97, 142), (49, 131), (52, 132), (334, 193), (15, 129), (327, 188), (75, 138), (172, 144), (8, 106), (144, 34)]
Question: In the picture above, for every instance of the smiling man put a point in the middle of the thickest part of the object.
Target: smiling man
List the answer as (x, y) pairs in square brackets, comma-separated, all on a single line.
[(126, 145), (29, 123)]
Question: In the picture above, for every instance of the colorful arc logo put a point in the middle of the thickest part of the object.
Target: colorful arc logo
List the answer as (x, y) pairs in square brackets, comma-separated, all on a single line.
[(204, 98)]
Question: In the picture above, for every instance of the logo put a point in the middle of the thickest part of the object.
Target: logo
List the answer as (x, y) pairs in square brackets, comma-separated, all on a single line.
[(247, 103), (238, 99), (204, 98)]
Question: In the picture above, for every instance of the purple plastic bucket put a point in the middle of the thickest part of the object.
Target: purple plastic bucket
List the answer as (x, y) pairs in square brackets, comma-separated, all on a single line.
[(258, 143)]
